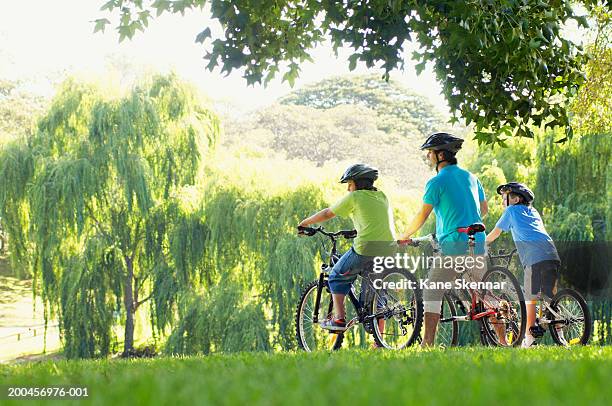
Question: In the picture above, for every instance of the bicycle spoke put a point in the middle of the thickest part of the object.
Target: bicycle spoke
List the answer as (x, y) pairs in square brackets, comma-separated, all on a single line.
[(395, 313)]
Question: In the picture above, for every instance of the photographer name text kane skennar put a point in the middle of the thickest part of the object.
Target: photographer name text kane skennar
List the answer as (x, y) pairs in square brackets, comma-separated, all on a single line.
[(427, 284)]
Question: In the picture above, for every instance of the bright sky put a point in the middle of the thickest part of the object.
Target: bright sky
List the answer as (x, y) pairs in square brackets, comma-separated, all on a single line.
[(42, 38)]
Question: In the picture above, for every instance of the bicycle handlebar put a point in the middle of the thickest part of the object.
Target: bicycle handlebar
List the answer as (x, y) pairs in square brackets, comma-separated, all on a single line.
[(310, 231), (502, 254), (417, 241)]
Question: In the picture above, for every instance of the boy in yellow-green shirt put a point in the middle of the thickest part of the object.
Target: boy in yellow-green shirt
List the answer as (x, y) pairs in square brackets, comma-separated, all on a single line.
[(372, 217)]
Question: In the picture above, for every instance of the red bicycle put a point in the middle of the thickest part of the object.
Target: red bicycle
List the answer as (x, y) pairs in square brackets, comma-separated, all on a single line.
[(496, 302)]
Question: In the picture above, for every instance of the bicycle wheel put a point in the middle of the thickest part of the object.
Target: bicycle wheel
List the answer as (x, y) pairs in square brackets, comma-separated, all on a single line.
[(397, 307), (447, 333), (575, 317), (503, 294), (310, 336)]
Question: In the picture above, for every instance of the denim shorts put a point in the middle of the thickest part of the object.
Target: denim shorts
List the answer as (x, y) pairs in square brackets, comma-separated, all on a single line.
[(345, 271)]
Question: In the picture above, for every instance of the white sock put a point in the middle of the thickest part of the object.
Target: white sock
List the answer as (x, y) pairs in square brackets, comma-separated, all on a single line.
[(527, 341)]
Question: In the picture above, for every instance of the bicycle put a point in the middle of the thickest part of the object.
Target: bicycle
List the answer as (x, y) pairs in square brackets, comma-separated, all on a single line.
[(393, 316), (499, 307), (566, 314)]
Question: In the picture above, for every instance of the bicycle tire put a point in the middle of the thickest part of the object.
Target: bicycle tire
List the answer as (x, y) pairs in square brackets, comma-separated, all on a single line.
[(416, 310), (518, 331), (448, 310), (335, 339), (586, 334)]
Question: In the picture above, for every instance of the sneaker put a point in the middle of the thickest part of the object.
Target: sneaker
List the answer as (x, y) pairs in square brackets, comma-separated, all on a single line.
[(528, 341), (333, 324)]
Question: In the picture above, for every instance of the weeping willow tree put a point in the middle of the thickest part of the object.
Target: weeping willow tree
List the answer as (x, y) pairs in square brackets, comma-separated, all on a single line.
[(87, 197), (576, 177), (250, 264), (573, 188)]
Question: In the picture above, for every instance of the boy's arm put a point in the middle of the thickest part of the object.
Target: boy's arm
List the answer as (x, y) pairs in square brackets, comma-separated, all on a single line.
[(492, 236), (323, 215), (418, 221)]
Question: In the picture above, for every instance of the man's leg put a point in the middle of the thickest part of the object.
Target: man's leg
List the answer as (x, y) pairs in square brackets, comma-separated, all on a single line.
[(431, 324), (432, 299)]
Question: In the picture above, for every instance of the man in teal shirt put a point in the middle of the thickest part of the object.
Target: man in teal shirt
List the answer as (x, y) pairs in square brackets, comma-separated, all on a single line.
[(458, 200)]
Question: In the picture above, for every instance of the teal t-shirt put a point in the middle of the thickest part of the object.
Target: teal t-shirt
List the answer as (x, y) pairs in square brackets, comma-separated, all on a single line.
[(455, 195), (372, 218)]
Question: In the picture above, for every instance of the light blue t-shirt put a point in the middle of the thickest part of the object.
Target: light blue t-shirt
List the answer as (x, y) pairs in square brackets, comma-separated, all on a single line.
[(455, 195), (532, 241)]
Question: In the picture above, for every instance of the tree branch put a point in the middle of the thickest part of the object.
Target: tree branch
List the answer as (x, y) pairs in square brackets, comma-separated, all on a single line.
[(137, 304), (98, 224)]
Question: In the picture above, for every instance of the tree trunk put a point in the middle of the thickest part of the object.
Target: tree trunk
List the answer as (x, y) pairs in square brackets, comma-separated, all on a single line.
[(128, 301)]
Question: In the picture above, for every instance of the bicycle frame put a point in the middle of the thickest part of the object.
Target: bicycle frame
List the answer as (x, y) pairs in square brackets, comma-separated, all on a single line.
[(360, 303), (323, 276), (472, 314)]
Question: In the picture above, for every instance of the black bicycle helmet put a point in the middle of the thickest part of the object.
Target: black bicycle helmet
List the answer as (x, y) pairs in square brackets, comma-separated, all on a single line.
[(359, 171), (519, 189), (443, 142)]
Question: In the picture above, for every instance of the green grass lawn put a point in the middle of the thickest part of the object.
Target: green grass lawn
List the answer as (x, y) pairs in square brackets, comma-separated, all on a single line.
[(465, 376)]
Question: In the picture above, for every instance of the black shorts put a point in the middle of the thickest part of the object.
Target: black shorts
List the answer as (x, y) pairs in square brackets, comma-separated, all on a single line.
[(541, 277)]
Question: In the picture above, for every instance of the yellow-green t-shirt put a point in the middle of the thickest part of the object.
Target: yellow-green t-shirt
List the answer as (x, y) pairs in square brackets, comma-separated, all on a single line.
[(372, 218)]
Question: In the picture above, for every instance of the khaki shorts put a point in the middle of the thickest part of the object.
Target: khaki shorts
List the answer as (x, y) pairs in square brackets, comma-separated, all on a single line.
[(440, 272)]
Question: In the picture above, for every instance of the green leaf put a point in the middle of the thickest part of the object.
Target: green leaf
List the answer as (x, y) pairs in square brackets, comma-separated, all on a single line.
[(161, 6), (144, 17), (201, 37), (109, 5), (353, 61), (419, 67), (582, 21), (101, 24)]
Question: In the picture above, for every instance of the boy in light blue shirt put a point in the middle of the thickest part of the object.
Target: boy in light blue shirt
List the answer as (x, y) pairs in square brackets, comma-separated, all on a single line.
[(537, 251)]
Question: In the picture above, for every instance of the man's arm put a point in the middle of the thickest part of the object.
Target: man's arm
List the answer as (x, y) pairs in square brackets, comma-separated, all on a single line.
[(484, 208), (492, 236), (323, 215), (418, 221)]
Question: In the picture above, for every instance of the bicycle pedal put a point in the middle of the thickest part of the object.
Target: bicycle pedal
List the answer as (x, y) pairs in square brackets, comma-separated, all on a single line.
[(351, 323), (537, 331)]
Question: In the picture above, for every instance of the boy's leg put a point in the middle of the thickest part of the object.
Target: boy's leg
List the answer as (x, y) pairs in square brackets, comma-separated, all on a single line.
[(340, 280), (339, 310), (530, 304), (531, 315)]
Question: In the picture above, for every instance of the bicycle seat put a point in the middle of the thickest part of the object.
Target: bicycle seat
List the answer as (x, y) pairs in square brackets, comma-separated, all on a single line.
[(473, 229)]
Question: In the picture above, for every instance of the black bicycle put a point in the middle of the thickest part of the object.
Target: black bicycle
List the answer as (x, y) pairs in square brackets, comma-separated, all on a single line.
[(566, 315), (389, 305)]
